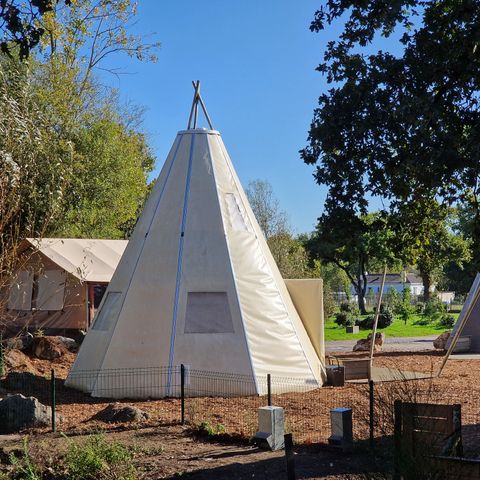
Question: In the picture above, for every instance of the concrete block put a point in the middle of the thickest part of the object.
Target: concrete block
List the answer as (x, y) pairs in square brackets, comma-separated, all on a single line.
[(270, 428), (342, 428)]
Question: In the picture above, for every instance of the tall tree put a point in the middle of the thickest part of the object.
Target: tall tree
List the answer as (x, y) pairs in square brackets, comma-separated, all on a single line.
[(19, 24), (424, 237), (289, 252), (265, 206), (400, 127), (352, 244), (110, 159)]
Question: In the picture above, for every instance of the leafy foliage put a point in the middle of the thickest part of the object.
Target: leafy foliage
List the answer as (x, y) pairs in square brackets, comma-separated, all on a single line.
[(405, 308), (352, 244), (19, 23), (328, 301), (97, 459), (348, 315), (402, 128), (385, 319)]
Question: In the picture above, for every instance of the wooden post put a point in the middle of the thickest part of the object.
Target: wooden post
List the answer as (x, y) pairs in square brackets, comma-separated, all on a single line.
[(372, 412), (375, 323), (91, 303), (54, 406), (269, 390), (289, 456), (397, 440), (182, 391)]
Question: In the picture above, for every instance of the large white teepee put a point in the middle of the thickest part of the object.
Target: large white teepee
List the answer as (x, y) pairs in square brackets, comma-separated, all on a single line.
[(197, 285), (468, 321)]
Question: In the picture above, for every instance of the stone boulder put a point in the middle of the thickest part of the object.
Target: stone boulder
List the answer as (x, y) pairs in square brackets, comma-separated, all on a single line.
[(440, 343), (115, 413), (48, 348), (69, 343), (363, 345), (18, 412), (21, 342), (17, 360)]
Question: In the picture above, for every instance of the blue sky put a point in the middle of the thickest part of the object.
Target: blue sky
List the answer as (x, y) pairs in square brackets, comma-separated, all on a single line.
[(256, 62)]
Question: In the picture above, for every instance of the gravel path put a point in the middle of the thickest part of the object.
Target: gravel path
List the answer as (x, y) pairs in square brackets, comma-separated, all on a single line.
[(392, 344)]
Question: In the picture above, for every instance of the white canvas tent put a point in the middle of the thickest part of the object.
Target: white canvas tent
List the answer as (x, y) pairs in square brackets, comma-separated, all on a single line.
[(468, 322), (197, 285)]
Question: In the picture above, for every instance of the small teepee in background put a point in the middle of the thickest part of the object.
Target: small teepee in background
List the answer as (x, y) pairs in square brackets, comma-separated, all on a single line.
[(197, 285)]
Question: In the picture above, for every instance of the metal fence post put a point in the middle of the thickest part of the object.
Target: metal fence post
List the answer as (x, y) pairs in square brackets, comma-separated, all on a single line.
[(53, 400), (289, 456), (2, 360), (372, 412), (269, 389), (182, 391)]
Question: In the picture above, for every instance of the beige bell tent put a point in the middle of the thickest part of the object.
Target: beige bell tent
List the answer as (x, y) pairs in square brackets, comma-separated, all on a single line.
[(197, 285)]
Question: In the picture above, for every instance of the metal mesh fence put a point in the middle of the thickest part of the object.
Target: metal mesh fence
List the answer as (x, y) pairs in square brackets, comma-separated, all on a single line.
[(219, 403)]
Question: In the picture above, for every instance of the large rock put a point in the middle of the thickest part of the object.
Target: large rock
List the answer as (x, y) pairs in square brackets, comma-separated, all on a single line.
[(48, 348), (115, 413), (21, 342), (364, 344), (18, 412), (440, 342), (69, 343), (17, 360)]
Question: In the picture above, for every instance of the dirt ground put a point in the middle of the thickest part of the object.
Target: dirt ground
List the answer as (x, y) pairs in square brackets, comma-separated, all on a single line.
[(173, 452), (169, 450)]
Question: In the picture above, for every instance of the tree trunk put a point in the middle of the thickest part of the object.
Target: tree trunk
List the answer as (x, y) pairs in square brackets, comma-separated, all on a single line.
[(361, 289), (361, 304), (426, 286)]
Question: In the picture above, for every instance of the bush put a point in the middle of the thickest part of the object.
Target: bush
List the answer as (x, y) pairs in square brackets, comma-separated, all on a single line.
[(434, 309), (345, 307), (348, 316), (420, 308), (99, 459), (447, 321), (341, 318), (385, 319)]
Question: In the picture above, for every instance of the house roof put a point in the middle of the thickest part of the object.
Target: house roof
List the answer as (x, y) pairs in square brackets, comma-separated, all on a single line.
[(90, 260), (393, 278)]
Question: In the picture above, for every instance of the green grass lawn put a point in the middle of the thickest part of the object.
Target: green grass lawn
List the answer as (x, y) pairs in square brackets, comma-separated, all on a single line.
[(413, 328)]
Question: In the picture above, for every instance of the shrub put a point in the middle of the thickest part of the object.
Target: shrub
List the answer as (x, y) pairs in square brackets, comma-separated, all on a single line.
[(434, 309), (349, 315), (24, 467), (447, 321), (345, 307), (99, 459), (208, 429), (351, 321), (385, 319), (420, 308), (393, 299), (341, 318)]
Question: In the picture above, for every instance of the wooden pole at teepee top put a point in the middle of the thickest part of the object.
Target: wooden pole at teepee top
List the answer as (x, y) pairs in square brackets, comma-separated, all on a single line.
[(459, 331), (375, 322)]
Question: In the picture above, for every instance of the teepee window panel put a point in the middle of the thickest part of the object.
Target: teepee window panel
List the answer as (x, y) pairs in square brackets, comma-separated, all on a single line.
[(236, 218), (51, 290), (20, 297), (208, 312), (108, 313)]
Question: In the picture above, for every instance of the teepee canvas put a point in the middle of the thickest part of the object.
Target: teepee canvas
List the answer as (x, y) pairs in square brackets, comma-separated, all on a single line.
[(468, 322), (197, 285)]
